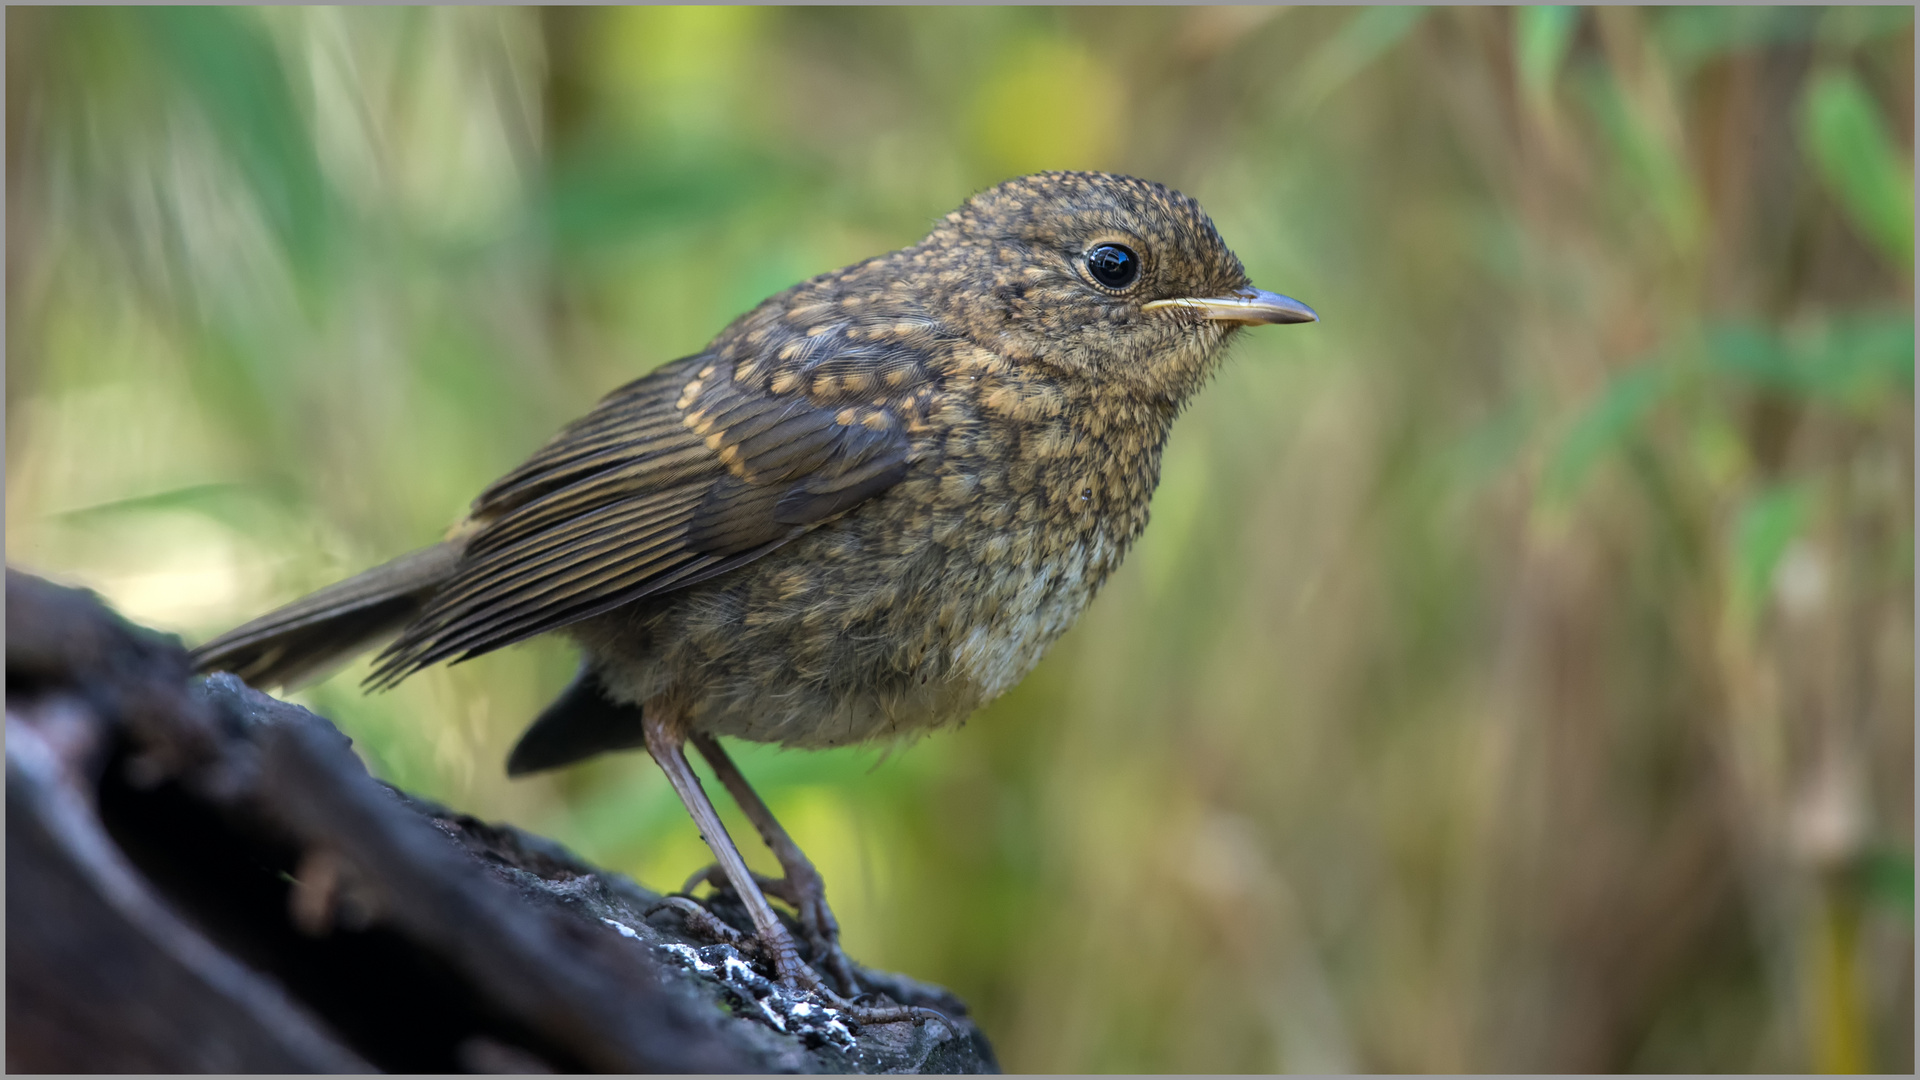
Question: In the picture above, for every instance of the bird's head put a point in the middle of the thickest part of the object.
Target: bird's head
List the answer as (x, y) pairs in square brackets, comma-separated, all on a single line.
[(1099, 275)]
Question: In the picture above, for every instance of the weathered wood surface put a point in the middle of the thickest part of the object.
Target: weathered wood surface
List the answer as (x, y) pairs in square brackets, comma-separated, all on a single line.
[(201, 878)]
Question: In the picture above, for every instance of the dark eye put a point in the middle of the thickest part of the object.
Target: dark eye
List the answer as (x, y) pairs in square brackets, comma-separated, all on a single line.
[(1113, 265)]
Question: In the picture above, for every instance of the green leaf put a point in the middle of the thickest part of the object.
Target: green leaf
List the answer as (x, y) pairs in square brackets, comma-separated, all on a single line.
[(1856, 25), (1865, 355), (1604, 427), (1886, 875), (1766, 525), (1755, 353), (226, 61), (1365, 38), (1691, 36), (1653, 172), (239, 506), (1870, 176), (1541, 37), (606, 197), (1854, 359)]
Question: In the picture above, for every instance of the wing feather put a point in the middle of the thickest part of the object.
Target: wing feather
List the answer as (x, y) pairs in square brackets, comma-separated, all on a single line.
[(671, 480)]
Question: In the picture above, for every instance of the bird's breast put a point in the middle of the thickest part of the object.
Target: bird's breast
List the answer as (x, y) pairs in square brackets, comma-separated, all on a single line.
[(1025, 608), (1046, 492)]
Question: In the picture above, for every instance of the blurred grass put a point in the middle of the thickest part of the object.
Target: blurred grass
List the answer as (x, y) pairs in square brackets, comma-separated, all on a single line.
[(1517, 674)]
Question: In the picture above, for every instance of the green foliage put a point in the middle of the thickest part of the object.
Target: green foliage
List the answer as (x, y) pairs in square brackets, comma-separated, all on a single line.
[(1652, 171), (613, 199), (1858, 25), (227, 504), (1366, 37), (1869, 175), (1605, 425), (1541, 37), (1885, 876), (227, 63), (1692, 35), (1766, 525), (1861, 359)]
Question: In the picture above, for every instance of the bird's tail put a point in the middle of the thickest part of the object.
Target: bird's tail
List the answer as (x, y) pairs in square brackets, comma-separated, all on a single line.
[(305, 639)]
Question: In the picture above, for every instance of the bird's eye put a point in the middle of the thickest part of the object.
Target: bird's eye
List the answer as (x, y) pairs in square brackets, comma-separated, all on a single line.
[(1113, 265)]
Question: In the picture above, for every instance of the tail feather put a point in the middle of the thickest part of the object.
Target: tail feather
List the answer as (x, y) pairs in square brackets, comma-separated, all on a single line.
[(308, 637)]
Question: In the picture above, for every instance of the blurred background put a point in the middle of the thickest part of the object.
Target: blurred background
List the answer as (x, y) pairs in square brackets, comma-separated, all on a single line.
[(1517, 674)]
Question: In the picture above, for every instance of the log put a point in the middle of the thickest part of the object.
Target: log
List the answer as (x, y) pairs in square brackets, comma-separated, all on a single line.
[(203, 878)]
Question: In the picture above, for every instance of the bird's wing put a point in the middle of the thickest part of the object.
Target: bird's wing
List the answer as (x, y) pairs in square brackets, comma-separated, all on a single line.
[(698, 468)]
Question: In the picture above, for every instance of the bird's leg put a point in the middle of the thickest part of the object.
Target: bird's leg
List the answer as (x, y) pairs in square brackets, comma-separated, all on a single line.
[(802, 887), (665, 742)]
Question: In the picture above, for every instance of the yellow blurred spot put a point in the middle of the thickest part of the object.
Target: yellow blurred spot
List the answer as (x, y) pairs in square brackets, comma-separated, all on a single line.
[(181, 570), (677, 67), (1718, 450), (1049, 106), (825, 826), (1840, 1037), (1178, 507), (673, 854)]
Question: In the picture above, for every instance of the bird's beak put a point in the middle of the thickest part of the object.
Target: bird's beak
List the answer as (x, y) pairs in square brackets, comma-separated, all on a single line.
[(1249, 306)]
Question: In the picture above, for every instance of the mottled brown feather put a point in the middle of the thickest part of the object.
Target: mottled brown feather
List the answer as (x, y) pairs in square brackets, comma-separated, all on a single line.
[(933, 457), (669, 480)]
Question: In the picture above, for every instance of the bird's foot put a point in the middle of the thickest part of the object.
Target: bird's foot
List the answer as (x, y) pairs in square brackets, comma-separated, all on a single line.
[(875, 1015), (795, 973), (778, 948), (701, 921), (808, 899), (790, 969)]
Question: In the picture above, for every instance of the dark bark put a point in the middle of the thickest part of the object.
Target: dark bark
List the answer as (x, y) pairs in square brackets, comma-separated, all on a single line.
[(203, 878)]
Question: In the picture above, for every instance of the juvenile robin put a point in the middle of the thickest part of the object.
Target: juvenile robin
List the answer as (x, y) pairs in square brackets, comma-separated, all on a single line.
[(863, 512)]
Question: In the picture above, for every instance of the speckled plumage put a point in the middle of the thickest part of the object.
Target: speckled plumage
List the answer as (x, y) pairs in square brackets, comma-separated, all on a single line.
[(906, 478), (862, 512), (1030, 460)]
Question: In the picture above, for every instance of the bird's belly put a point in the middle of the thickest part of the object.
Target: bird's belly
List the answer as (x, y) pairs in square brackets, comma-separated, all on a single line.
[(907, 639), (1024, 616), (851, 695)]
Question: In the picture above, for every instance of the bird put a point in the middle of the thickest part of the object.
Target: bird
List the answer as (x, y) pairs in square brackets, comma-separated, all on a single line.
[(861, 513)]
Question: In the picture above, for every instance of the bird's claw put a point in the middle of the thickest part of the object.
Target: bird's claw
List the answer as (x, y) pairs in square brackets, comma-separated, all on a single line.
[(892, 1014), (809, 903), (789, 968), (701, 920), (792, 971)]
